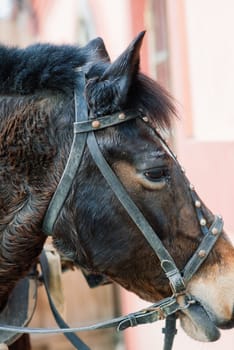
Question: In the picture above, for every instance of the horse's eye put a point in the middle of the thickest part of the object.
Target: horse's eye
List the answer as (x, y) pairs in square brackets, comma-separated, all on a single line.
[(156, 174)]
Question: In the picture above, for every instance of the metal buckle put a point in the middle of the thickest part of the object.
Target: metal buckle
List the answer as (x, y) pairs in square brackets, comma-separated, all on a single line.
[(173, 274)]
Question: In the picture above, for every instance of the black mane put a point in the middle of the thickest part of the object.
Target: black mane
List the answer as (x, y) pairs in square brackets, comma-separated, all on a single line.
[(50, 68), (39, 67)]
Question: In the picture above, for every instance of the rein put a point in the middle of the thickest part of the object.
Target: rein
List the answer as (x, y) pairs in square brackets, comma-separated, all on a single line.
[(84, 134)]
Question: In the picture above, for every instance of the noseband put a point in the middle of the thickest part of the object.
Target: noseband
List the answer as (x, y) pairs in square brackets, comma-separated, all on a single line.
[(84, 134)]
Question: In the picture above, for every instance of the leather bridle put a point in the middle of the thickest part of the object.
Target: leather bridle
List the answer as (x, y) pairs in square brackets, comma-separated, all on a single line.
[(84, 135)]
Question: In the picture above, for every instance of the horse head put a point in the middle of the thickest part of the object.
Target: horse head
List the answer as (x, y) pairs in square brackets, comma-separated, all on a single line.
[(93, 228)]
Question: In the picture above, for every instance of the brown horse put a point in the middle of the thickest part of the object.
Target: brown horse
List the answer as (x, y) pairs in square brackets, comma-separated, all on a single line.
[(92, 228)]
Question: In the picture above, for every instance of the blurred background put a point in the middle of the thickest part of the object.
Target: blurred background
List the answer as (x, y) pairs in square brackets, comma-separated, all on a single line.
[(188, 48)]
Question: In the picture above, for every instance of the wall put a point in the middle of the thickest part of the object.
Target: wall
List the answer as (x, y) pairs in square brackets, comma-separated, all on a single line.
[(205, 145)]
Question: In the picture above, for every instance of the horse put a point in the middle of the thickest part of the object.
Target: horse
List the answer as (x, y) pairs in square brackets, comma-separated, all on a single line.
[(93, 226)]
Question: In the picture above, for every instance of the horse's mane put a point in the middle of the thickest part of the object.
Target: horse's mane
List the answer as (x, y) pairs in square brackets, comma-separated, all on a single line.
[(50, 68), (40, 67)]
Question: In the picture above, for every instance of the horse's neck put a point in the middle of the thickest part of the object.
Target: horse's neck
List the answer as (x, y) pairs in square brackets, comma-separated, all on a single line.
[(28, 146), (16, 258), (20, 237)]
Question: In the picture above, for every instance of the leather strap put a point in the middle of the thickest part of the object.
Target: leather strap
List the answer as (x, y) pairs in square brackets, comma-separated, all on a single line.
[(211, 234), (73, 338), (167, 262), (169, 332), (104, 122), (73, 163), (155, 312), (203, 249)]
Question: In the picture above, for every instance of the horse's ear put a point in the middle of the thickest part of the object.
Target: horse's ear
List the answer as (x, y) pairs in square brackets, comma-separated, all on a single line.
[(124, 68), (107, 93), (97, 50)]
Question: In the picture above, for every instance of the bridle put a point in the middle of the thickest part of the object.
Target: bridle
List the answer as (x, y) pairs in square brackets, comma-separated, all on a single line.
[(84, 134)]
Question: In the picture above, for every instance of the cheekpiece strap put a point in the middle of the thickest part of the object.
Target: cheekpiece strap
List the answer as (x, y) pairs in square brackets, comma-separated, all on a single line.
[(73, 163), (167, 262)]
